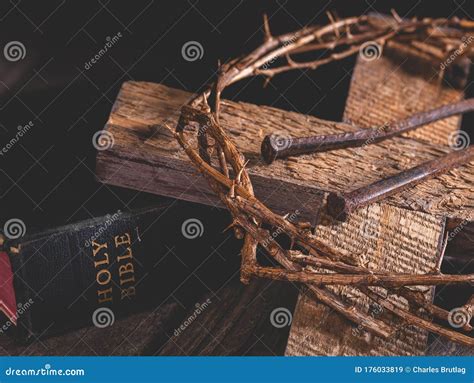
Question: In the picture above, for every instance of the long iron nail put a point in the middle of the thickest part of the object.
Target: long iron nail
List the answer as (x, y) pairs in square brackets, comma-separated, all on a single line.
[(340, 205), (279, 146)]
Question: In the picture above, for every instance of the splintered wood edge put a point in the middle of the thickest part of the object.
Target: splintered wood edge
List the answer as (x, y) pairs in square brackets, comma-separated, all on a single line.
[(142, 108), (386, 238)]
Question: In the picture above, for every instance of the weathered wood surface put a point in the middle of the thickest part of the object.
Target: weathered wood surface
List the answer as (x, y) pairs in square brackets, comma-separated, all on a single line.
[(402, 234), (385, 238), (133, 335), (146, 157), (404, 83), (388, 238), (235, 322)]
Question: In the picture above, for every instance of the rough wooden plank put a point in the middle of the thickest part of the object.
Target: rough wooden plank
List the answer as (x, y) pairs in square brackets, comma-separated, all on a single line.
[(405, 84), (385, 238), (145, 157), (132, 335), (236, 321), (388, 238)]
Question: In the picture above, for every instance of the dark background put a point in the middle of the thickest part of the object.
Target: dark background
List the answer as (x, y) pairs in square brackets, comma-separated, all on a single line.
[(47, 179)]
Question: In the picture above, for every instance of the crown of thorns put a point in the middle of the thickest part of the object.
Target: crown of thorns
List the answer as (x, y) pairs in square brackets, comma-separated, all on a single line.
[(314, 263)]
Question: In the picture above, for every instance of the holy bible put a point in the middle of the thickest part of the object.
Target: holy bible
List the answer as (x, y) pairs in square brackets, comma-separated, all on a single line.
[(93, 271)]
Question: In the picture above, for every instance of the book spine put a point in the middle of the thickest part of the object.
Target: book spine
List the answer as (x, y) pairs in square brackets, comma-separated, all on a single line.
[(86, 273)]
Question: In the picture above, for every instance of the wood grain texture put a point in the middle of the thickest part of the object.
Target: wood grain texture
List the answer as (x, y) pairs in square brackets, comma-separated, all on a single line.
[(133, 335), (384, 237), (237, 321), (146, 157), (405, 83), (403, 233)]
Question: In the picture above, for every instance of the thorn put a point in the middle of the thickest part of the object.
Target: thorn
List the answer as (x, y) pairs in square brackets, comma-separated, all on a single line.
[(166, 126), (396, 16), (232, 191), (239, 174), (290, 61), (233, 224), (292, 243), (15, 250), (266, 28), (437, 268), (332, 20), (348, 32), (267, 81)]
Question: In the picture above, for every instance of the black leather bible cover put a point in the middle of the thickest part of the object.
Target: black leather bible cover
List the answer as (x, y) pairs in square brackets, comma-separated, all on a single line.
[(89, 273)]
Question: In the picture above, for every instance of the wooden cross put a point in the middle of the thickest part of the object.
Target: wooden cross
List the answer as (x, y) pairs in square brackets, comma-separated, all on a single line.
[(404, 233)]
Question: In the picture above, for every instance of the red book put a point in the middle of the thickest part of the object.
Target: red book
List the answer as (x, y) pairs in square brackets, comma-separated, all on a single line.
[(7, 292)]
